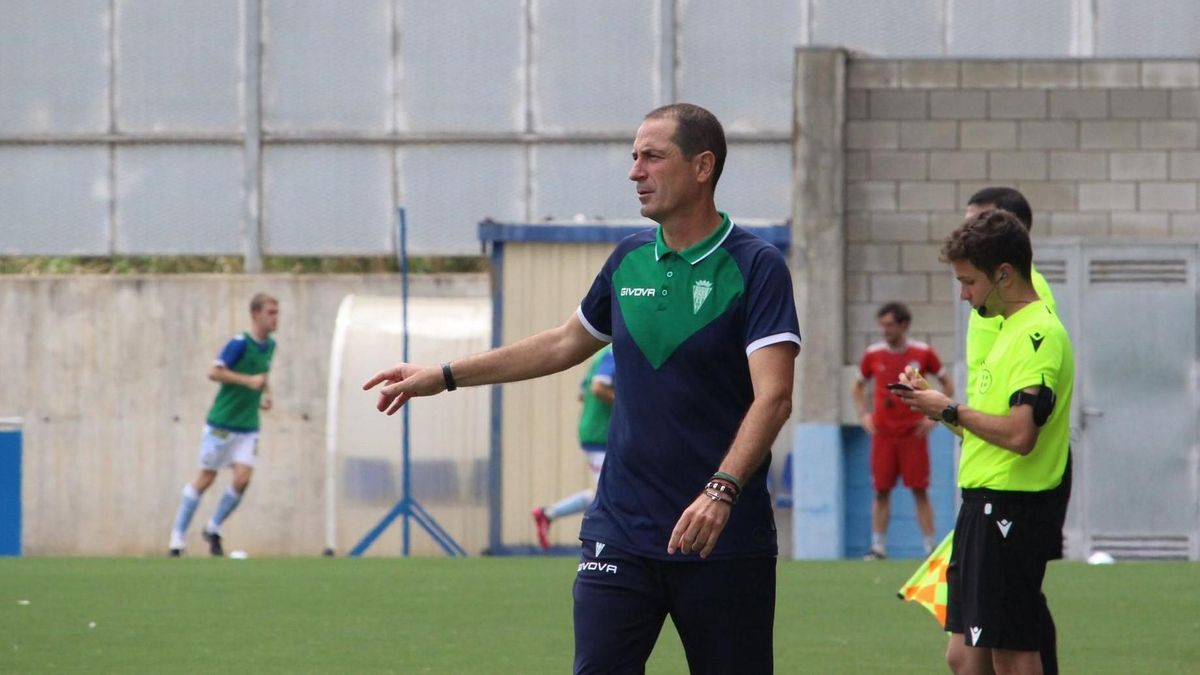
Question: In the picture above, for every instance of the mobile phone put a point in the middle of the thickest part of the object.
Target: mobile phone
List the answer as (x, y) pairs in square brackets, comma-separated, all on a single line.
[(899, 386)]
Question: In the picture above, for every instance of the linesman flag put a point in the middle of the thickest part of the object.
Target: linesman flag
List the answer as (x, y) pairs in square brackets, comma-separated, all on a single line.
[(928, 584)]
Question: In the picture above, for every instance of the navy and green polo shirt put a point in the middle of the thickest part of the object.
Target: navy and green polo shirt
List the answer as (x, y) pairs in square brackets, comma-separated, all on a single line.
[(236, 407), (683, 325)]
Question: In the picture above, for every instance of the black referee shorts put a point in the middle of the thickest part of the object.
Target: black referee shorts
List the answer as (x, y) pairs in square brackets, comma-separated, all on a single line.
[(1002, 541)]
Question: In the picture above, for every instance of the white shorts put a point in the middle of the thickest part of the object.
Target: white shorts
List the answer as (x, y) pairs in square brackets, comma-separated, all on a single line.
[(595, 460), (220, 448)]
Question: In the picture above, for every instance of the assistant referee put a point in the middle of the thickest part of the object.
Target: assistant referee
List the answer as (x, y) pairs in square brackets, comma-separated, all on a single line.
[(1016, 431)]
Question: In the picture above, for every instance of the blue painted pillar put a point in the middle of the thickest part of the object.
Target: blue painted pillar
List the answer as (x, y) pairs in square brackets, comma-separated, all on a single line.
[(818, 492), (10, 487)]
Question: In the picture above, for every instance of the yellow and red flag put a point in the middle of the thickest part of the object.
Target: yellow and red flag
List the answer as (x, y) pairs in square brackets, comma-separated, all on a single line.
[(928, 584)]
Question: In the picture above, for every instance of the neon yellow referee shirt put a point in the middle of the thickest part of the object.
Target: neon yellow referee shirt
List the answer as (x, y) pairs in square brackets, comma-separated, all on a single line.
[(982, 331), (1032, 348)]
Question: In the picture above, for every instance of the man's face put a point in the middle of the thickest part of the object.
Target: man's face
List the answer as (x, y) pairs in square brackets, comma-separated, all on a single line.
[(892, 330), (266, 318), (665, 179), (975, 286)]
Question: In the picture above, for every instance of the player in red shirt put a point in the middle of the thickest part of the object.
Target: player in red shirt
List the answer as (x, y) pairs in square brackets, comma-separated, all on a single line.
[(898, 435)]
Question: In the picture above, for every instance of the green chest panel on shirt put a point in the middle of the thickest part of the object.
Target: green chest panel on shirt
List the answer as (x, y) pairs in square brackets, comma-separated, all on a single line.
[(236, 407), (666, 301), (255, 360)]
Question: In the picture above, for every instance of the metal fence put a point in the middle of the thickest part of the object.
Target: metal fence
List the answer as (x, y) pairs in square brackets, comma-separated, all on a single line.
[(272, 127)]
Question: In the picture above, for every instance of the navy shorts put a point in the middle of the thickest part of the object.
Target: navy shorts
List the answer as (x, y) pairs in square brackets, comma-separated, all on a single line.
[(724, 611)]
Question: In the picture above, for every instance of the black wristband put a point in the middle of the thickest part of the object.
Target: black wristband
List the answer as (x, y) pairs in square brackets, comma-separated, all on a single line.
[(448, 376), (950, 414)]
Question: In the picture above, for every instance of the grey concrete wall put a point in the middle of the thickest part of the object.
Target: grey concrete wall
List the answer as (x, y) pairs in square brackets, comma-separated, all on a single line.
[(817, 227), (1102, 149), (885, 159), (109, 376)]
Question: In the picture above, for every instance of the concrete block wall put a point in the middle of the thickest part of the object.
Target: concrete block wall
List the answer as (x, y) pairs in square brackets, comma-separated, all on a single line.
[(108, 374), (1102, 149)]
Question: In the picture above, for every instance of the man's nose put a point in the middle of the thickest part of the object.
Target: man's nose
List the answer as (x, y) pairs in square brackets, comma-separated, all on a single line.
[(636, 172)]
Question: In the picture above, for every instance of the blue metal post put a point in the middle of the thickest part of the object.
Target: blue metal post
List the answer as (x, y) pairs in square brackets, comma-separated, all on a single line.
[(408, 506), (406, 461), (495, 453)]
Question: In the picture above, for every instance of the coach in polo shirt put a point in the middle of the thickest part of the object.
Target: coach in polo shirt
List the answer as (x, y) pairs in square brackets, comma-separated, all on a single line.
[(704, 331)]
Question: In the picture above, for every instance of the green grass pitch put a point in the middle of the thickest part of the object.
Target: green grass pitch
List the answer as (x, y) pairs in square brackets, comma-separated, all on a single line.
[(513, 615)]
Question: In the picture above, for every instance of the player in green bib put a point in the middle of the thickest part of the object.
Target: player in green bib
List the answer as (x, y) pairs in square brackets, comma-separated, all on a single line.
[(1016, 430), (597, 394), (231, 432)]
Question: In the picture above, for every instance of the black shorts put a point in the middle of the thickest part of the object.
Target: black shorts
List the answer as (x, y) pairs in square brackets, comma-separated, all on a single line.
[(1002, 541), (1059, 498), (724, 611)]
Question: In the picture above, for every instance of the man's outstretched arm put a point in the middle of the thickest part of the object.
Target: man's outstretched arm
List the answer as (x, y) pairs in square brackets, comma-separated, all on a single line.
[(550, 351)]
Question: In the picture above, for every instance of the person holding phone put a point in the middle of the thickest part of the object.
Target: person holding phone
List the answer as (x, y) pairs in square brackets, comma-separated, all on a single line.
[(1016, 429), (899, 443)]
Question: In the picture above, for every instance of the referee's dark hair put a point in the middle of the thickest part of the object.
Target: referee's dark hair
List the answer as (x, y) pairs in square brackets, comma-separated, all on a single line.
[(1005, 198), (898, 310), (696, 130), (989, 240)]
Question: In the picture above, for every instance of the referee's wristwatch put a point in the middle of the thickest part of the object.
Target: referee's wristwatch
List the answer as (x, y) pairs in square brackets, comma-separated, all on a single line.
[(950, 414)]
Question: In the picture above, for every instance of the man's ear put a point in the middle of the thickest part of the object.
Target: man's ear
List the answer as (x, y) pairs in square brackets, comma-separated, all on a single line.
[(704, 164)]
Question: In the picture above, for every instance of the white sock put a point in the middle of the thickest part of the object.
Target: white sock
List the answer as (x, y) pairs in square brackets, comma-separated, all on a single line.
[(879, 542), (929, 544), (576, 503), (188, 500), (228, 503)]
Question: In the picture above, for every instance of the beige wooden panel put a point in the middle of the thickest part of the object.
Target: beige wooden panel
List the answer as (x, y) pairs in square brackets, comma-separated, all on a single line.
[(543, 284), (109, 376)]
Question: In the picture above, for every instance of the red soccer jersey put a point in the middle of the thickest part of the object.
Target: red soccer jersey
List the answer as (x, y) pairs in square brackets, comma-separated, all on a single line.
[(884, 365)]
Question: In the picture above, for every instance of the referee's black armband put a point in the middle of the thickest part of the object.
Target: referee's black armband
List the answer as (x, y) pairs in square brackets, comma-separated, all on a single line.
[(1041, 402)]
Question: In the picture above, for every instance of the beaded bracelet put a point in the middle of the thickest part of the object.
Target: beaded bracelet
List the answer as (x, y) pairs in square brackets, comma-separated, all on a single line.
[(727, 490), (718, 496)]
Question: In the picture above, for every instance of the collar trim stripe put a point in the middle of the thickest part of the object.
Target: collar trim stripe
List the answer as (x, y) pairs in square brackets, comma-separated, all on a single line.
[(728, 229), (719, 235)]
